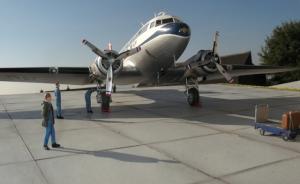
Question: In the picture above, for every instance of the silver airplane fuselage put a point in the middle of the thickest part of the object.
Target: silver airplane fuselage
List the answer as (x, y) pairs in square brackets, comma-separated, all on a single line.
[(163, 39)]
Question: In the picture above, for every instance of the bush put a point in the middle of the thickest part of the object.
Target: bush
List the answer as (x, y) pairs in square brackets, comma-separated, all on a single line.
[(282, 48)]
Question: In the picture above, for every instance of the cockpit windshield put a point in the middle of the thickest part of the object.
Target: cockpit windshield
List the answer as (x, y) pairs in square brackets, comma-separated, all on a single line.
[(166, 21), (169, 20)]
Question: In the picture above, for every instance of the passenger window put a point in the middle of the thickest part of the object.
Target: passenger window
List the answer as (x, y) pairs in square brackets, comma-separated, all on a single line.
[(169, 20), (158, 22)]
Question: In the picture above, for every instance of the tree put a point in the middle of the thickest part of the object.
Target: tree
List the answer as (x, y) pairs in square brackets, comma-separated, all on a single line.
[(282, 48)]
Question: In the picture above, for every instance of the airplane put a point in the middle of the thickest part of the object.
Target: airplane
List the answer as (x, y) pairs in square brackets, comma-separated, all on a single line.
[(149, 58)]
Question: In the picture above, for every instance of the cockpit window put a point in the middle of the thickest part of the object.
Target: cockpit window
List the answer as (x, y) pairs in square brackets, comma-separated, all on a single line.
[(143, 29), (158, 22), (152, 25), (169, 20), (176, 20)]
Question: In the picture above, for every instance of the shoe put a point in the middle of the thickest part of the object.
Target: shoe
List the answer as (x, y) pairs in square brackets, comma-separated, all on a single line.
[(46, 147), (60, 117), (90, 112), (55, 145)]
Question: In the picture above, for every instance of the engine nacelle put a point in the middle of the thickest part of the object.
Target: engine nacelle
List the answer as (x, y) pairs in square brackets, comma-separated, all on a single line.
[(203, 63), (98, 69)]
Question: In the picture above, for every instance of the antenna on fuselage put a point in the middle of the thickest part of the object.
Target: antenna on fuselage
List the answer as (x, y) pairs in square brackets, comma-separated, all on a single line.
[(161, 13)]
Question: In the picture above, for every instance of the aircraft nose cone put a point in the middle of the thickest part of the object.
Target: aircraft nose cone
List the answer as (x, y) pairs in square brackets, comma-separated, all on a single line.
[(180, 29)]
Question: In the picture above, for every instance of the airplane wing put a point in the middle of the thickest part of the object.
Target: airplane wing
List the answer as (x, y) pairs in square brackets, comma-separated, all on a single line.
[(244, 70), (208, 67), (177, 76), (66, 75)]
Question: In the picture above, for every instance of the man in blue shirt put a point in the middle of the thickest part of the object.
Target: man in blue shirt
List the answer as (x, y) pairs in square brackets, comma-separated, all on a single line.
[(58, 101)]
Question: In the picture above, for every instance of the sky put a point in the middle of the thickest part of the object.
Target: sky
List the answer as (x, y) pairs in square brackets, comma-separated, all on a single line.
[(35, 33)]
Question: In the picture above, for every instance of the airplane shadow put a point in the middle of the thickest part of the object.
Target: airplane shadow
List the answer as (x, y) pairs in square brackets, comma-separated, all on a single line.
[(125, 157), (168, 103)]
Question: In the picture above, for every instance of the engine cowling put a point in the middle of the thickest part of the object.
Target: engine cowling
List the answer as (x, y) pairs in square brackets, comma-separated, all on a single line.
[(98, 69), (203, 62)]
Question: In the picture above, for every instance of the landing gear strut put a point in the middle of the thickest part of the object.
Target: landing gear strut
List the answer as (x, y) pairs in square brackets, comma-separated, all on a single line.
[(103, 98), (114, 88), (192, 92)]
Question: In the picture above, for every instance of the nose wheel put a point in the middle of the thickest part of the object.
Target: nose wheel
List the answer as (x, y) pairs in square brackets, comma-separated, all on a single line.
[(105, 105), (192, 92), (193, 97), (103, 98)]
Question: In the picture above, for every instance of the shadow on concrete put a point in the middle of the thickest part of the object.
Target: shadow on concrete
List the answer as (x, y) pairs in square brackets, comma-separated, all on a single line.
[(125, 157), (167, 104)]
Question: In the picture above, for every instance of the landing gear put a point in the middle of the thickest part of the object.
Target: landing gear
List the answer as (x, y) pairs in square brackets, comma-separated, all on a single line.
[(114, 88), (192, 92)]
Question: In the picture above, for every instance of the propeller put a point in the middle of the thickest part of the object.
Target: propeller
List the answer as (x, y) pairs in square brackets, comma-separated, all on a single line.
[(217, 58), (111, 60)]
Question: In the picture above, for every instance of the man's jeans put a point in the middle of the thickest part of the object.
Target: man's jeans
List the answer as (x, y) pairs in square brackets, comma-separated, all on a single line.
[(50, 131)]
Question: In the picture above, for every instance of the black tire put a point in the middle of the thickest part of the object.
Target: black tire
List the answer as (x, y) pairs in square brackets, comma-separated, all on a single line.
[(293, 136), (193, 97), (262, 132), (285, 137), (105, 105)]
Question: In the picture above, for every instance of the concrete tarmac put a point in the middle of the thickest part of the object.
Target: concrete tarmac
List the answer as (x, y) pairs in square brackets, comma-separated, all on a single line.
[(151, 136)]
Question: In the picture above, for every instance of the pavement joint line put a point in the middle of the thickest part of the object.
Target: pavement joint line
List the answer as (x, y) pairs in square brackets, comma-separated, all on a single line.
[(164, 153), (18, 132), (16, 163), (82, 152), (260, 166), (209, 180), (129, 123), (61, 131), (124, 147), (233, 132)]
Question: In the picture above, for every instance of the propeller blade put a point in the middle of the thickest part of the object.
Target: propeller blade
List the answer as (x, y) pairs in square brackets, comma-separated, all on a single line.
[(94, 49), (109, 79), (225, 74), (128, 53), (215, 45), (220, 68)]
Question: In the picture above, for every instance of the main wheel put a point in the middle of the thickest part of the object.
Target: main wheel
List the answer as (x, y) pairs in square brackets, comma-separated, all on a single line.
[(193, 97), (105, 105), (285, 137), (262, 132), (293, 136)]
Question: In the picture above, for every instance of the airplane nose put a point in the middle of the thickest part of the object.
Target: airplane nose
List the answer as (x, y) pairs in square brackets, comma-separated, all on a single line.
[(180, 29)]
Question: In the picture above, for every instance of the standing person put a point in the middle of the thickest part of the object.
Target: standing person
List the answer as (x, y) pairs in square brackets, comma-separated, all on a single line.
[(88, 103), (48, 122), (58, 101)]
